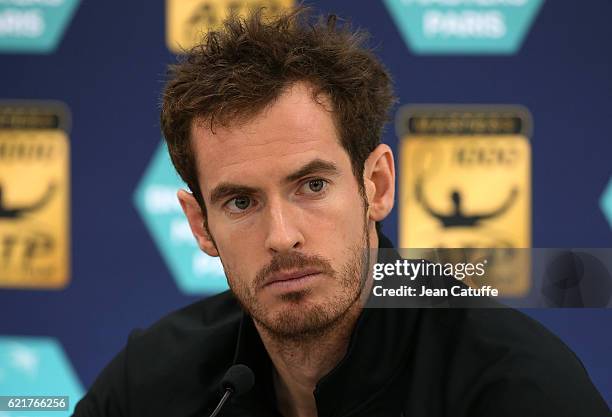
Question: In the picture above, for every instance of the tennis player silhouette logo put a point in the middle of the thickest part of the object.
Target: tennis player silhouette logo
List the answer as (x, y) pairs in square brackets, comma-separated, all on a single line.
[(16, 212), (203, 17), (210, 14), (457, 217)]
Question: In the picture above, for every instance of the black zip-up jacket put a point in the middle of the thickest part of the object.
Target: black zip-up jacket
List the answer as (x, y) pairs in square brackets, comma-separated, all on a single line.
[(400, 362)]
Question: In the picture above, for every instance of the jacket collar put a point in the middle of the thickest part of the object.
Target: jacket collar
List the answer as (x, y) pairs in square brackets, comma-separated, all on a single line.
[(380, 342)]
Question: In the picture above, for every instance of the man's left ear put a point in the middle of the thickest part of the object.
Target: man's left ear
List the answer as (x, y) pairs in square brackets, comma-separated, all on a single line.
[(379, 180)]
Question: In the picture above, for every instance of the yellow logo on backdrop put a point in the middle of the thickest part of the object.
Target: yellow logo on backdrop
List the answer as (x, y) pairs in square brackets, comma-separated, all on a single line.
[(466, 183), (188, 20), (34, 196)]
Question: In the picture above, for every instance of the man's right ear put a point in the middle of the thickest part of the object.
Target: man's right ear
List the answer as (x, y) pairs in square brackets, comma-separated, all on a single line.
[(194, 215)]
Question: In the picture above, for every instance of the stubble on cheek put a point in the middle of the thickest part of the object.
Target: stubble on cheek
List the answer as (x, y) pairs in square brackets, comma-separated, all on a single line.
[(249, 291), (298, 314), (302, 313)]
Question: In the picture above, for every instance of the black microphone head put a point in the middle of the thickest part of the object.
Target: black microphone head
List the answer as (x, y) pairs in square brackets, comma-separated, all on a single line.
[(239, 378)]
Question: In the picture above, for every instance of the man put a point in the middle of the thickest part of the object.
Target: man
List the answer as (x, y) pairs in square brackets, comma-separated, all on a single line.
[(275, 126)]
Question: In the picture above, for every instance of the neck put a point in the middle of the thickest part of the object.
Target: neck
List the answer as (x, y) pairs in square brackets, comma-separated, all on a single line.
[(299, 364)]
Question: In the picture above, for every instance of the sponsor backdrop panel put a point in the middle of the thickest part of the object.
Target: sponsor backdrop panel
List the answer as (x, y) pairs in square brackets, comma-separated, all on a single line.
[(501, 137)]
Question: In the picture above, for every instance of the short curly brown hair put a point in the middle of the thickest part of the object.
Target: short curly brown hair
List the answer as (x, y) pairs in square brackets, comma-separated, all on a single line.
[(242, 68)]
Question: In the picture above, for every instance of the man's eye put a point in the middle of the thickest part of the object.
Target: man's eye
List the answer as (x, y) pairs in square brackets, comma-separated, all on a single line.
[(238, 204), (314, 186)]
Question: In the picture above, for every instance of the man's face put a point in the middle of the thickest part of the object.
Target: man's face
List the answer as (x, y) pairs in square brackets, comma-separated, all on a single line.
[(286, 214)]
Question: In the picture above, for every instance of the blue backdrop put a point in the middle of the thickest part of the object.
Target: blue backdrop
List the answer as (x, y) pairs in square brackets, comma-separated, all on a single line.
[(109, 69)]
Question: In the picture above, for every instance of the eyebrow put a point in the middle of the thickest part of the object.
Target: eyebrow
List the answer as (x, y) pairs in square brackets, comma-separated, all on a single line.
[(227, 189), (316, 166)]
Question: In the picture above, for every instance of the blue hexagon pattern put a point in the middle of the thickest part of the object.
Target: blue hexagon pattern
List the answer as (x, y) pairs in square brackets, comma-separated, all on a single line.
[(156, 201), (34, 26), (463, 26), (33, 366), (605, 202)]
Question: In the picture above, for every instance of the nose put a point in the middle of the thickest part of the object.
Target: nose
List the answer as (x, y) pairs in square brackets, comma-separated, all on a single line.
[(283, 233)]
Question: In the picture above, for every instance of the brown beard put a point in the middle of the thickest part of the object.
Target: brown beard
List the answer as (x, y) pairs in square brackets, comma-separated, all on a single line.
[(299, 320)]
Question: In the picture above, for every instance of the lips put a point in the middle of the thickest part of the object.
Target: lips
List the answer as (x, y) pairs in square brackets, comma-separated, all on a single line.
[(290, 275)]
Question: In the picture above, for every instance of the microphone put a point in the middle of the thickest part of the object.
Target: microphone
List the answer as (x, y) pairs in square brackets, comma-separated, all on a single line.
[(238, 380)]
